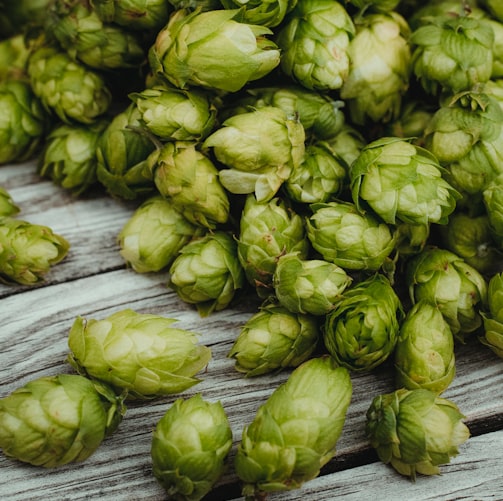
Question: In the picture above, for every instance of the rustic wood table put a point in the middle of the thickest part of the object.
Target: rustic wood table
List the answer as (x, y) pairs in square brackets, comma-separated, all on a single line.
[(93, 282)]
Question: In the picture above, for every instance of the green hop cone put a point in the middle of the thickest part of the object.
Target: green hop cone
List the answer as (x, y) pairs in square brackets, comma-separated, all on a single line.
[(176, 114), (452, 53), (28, 251), (348, 238), (320, 114), (125, 156), (492, 335), (269, 13), (424, 352), (14, 55), (144, 15), (207, 272), (154, 234), (7, 205), (411, 238), (322, 175), (493, 203), (466, 136), (295, 432), (415, 431), (362, 329), (69, 155), (347, 144), (189, 447), (23, 122), (314, 41), (470, 237), (273, 339), (85, 37), (212, 49), (67, 88), (380, 67), (446, 280), (310, 286), (259, 148), (267, 231), (139, 353), (189, 179), (21, 16), (401, 182), (55, 420)]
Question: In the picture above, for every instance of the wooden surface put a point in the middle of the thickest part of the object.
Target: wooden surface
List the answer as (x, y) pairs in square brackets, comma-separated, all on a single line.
[(93, 282)]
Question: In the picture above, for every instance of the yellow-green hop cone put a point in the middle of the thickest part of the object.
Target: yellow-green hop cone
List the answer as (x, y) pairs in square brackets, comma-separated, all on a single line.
[(28, 251), (68, 157), (362, 329), (273, 339), (139, 353), (295, 432), (310, 286), (492, 316), (493, 203), (446, 280), (415, 431), (23, 121), (213, 50), (190, 180), (66, 87), (314, 40), (13, 57), (259, 148), (207, 272), (7, 205), (424, 352), (154, 234), (189, 447), (55, 420)]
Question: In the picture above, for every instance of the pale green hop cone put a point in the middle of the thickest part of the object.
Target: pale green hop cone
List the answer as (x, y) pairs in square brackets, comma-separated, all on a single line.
[(362, 329), (424, 353), (415, 431), (139, 353), (310, 286), (207, 272), (295, 432), (56, 420), (492, 335), (273, 339), (154, 234), (189, 447), (28, 251), (7, 205)]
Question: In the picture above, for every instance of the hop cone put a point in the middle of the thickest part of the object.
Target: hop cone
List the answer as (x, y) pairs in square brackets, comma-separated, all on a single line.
[(207, 272), (424, 352), (152, 237), (123, 153), (267, 231), (72, 91), (415, 431), (493, 316), (362, 329), (403, 182), (55, 420), (272, 339), (69, 155), (452, 53), (27, 251), (23, 122), (14, 55), (348, 238), (139, 353), (211, 49), (310, 286), (189, 446), (446, 280), (380, 67), (190, 180), (7, 205), (314, 41), (493, 202), (294, 433)]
